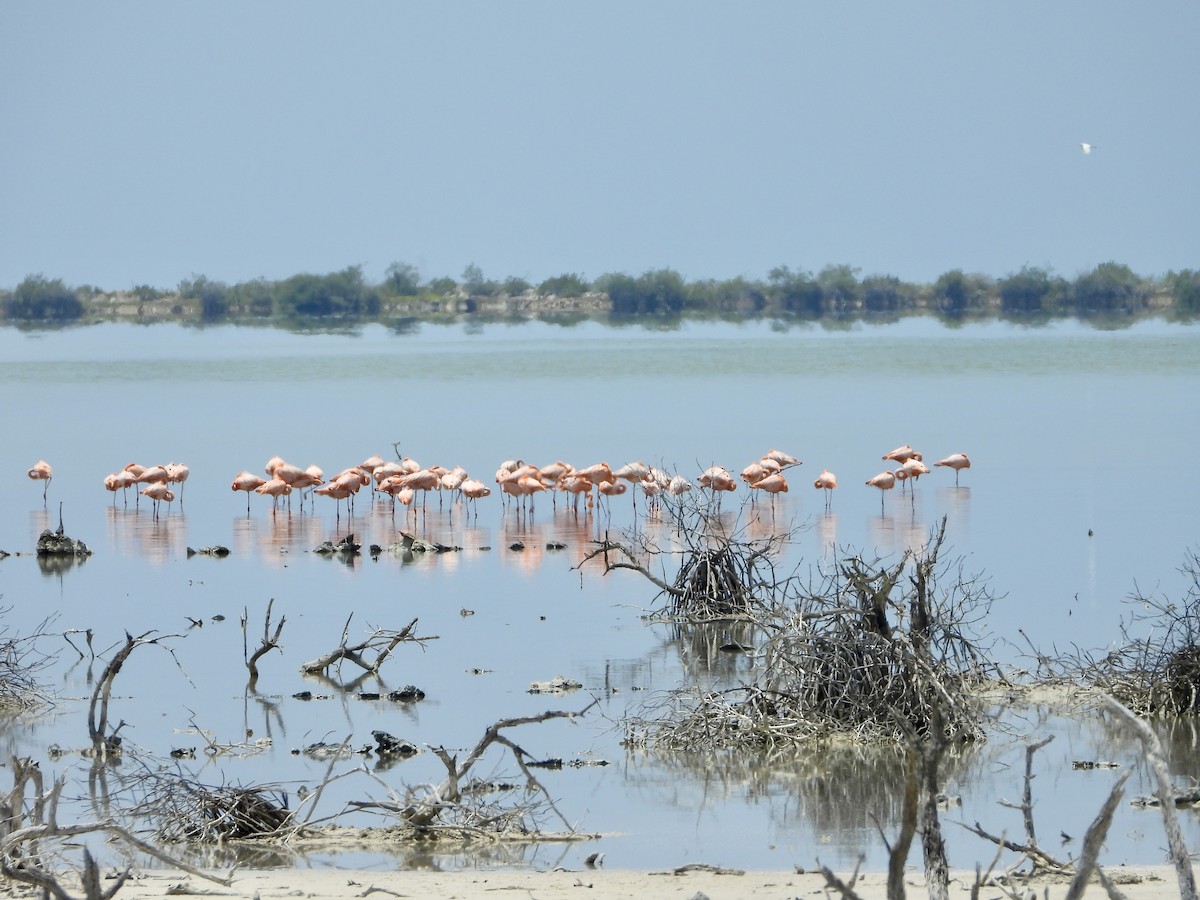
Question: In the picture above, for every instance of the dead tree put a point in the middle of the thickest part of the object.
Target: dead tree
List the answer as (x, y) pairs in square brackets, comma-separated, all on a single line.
[(1158, 764), (106, 742), (30, 835), (1152, 673), (382, 642), (269, 641), (453, 808)]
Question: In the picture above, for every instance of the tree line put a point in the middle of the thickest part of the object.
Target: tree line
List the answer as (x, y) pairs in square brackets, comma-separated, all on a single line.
[(836, 291)]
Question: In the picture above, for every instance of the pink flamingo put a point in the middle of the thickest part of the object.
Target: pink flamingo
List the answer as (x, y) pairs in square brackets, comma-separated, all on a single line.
[(826, 481), (955, 461), (41, 471), (158, 492), (885, 481), (902, 454), (247, 481)]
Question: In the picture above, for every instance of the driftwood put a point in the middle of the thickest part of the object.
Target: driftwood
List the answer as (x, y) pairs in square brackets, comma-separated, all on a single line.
[(425, 815), (106, 742), (269, 641), (1039, 859), (1158, 764), (1093, 841), (29, 826), (381, 641)]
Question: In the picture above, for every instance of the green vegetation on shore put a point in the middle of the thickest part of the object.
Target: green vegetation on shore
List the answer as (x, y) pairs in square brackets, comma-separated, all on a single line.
[(1111, 293)]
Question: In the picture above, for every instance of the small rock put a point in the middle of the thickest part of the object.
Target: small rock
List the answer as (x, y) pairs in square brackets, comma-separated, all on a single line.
[(216, 550), (407, 694), (387, 745), (53, 543), (559, 684)]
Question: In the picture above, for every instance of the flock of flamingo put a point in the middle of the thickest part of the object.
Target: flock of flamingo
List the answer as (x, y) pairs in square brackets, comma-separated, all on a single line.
[(402, 480)]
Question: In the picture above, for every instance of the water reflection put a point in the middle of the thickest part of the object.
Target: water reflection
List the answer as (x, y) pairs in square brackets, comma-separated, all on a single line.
[(57, 566), (155, 539), (841, 793), (724, 650)]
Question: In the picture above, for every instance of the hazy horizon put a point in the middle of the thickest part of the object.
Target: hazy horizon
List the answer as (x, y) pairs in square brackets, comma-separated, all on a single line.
[(150, 143)]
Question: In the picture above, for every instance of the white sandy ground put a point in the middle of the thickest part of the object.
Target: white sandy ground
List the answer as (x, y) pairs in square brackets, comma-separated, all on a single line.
[(1137, 883)]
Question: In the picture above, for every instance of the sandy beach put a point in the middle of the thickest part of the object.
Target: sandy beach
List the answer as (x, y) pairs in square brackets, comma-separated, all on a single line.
[(1137, 883)]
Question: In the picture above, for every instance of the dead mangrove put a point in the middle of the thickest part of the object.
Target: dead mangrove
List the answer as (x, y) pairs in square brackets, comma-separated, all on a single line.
[(869, 651)]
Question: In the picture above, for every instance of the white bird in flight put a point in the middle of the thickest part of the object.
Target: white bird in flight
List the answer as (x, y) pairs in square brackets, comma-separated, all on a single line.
[(1086, 147)]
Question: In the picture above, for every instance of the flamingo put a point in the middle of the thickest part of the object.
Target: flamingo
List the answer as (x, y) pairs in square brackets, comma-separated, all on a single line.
[(612, 488), (454, 479), (577, 483), (118, 481), (826, 481), (152, 474), (902, 454), (955, 461), (41, 471), (371, 463), (158, 492), (772, 484), (678, 486), (885, 481), (178, 473), (755, 472), (337, 492), (422, 480), (717, 478), (387, 470), (597, 473), (274, 488), (247, 481), (633, 473), (473, 489), (651, 489), (784, 459), (555, 471)]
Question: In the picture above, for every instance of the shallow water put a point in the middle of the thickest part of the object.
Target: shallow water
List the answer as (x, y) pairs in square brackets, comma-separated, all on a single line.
[(1069, 430)]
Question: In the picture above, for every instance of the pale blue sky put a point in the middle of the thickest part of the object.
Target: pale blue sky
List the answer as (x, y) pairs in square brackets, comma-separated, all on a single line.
[(148, 142)]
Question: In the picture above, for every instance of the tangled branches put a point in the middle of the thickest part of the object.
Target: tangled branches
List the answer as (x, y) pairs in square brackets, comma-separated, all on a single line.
[(722, 575), (18, 664), (873, 652), (1158, 673), (188, 811)]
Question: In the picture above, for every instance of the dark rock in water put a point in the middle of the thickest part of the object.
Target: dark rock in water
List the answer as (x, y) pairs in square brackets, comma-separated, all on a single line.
[(555, 545), (407, 694), (517, 546), (57, 544), (303, 695), (387, 745), (368, 695), (324, 751), (216, 550), (346, 546), (413, 544)]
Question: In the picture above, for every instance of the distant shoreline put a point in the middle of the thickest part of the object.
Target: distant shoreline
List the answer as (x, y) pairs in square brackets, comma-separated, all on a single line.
[(129, 308)]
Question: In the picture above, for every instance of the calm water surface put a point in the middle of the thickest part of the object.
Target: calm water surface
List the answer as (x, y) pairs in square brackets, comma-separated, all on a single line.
[(1069, 429)]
